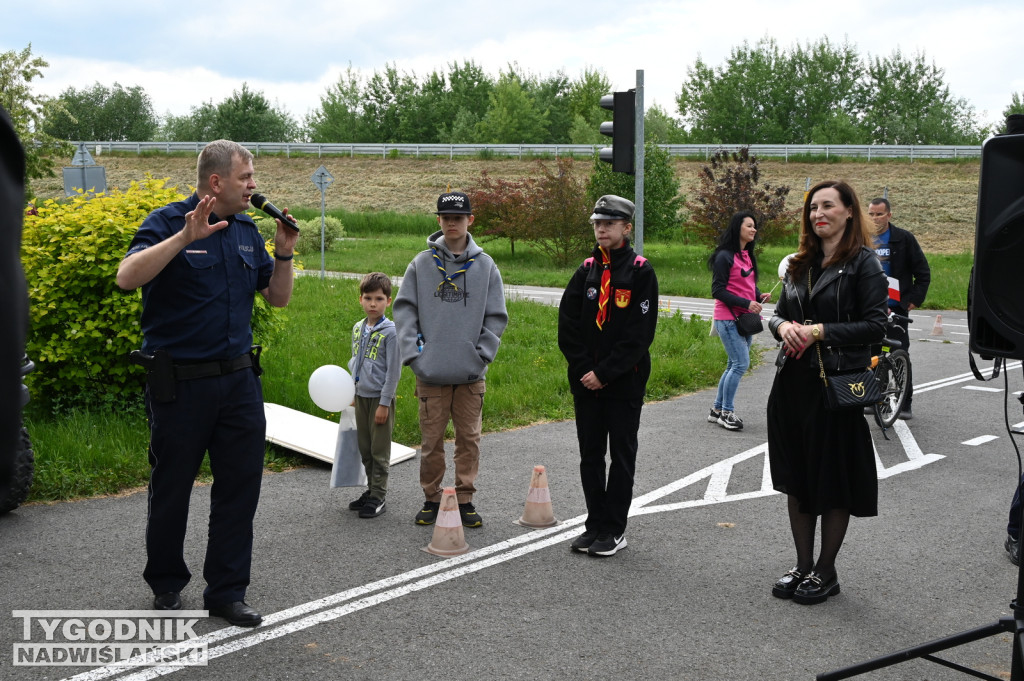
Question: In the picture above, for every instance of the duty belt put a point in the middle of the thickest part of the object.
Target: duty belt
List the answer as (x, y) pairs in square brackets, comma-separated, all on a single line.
[(186, 372)]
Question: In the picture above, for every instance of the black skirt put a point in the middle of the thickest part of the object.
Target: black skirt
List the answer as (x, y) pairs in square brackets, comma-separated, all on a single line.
[(824, 458)]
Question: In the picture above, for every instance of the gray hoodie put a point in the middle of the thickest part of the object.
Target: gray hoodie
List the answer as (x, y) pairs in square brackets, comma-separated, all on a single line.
[(449, 331), (374, 365)]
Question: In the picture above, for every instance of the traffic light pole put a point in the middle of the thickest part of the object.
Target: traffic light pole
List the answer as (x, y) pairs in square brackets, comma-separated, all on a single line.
[(638, 146)]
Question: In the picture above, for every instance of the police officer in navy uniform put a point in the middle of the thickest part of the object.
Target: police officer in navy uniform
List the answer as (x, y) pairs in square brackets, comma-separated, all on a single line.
[(200, 263)]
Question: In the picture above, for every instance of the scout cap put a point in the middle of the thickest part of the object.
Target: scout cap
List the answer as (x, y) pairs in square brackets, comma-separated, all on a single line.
[(453, 203), (611, 207)]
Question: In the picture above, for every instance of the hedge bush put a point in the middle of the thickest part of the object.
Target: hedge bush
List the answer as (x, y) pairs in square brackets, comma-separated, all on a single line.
[(82, 324)]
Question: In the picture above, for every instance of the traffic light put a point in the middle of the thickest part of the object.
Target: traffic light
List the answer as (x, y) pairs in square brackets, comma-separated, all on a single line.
[(622, 130), (996, 305)]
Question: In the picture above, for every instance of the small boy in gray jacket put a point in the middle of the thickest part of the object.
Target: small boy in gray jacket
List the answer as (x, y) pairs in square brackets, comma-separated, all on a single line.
[(450, 312), (375, 368)]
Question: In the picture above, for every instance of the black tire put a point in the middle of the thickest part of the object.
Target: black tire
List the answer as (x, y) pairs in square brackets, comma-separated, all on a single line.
[(21, 476), (894, 387)]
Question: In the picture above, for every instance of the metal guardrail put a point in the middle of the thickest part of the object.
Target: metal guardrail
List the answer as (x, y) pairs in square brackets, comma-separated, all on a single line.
[(785, 151)]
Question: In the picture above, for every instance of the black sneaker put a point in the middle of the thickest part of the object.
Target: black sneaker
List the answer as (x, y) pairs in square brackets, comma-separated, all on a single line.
[(428, 514), (607, 545), (470, 518), (584, 541), (730, 421), (358, 503), (714, 415), (372, 508)]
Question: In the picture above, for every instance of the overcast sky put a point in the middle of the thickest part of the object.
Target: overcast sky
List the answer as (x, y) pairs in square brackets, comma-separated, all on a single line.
[(188, 52)]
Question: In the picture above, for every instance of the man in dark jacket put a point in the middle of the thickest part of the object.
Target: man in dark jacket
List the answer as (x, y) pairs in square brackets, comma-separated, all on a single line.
[(903, 261), (606, 324)]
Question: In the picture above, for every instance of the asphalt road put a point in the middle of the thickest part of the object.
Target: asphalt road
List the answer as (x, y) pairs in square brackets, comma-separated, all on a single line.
[(346, 598)]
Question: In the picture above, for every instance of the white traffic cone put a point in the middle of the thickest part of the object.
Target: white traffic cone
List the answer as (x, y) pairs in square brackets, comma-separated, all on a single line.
[(538, 511), (937, 328), (448, 539)]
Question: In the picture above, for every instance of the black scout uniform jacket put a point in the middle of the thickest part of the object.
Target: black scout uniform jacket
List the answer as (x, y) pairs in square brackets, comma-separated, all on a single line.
[(619, 353)]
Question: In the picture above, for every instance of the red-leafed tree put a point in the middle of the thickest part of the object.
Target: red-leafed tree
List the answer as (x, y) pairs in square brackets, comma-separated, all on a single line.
[(731, 182), (549, 212)]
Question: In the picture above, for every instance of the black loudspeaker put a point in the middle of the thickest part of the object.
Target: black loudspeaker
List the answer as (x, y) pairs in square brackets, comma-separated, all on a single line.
[(996, 305)]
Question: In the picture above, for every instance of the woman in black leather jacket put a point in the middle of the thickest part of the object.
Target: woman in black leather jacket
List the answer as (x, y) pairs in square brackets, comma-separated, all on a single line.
[(833, 300)]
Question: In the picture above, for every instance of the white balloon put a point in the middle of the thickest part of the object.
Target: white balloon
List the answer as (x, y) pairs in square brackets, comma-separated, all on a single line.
[(784, 265), (331, 388)]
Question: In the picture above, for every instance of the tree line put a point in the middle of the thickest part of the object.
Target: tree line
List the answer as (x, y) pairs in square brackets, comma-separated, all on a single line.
[(817, 93)]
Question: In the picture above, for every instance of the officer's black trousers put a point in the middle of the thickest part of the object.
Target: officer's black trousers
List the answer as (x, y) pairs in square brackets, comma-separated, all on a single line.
[(607, 425), (223, 415)]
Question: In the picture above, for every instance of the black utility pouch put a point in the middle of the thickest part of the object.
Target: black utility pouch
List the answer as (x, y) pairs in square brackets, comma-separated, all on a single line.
[(160, 377), (254, 352)]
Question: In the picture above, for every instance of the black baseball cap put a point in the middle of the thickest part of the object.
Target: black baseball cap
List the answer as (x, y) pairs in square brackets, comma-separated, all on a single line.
[(453, 203)]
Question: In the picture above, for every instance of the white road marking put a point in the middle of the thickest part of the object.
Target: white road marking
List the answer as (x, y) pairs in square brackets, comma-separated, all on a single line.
[(915, 457), (953, 380), (980, 440), (983, 388)]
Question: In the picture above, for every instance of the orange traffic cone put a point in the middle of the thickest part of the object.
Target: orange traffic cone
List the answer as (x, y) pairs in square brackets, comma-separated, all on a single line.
[(538, 511), (448, 539), (937, 329)]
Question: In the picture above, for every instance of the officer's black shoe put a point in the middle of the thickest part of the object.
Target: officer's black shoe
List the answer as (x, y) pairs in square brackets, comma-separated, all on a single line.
[(237, 613), (168, 601)]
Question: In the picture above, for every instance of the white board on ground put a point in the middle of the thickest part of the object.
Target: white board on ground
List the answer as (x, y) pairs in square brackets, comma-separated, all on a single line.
[(312, 435)]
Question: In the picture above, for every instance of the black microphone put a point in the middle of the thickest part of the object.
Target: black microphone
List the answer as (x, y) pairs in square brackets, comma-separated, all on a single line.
[(260, 201)]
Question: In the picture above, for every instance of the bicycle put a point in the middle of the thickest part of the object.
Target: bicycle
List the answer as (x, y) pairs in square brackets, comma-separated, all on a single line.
[(892, 371)]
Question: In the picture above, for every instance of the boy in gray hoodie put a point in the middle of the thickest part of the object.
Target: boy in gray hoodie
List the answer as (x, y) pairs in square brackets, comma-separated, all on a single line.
[(375, 368), (450, 313)]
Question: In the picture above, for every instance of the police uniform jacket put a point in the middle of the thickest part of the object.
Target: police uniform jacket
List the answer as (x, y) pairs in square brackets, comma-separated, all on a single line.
[(199, 307), (618, 353)]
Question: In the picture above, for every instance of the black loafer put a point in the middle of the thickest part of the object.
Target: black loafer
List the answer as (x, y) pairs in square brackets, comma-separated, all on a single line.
[(237, 613), (168, 601), (788, 583), (816, 589)]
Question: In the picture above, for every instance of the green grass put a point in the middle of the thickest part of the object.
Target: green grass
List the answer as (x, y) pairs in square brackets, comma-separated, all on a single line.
[(86, 453)]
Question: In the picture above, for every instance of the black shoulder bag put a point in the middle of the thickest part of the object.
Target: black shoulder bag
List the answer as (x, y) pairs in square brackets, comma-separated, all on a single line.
[(849, 389), (748, 323)]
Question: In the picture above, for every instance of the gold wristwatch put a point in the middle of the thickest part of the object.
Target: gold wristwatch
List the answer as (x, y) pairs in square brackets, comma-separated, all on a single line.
[(816, 332)]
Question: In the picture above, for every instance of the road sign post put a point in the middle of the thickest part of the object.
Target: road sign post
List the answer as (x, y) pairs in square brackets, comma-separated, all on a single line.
[(323, 179)]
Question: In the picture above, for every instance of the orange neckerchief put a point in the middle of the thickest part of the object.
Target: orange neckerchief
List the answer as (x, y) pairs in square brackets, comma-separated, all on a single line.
[(606, 280)]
